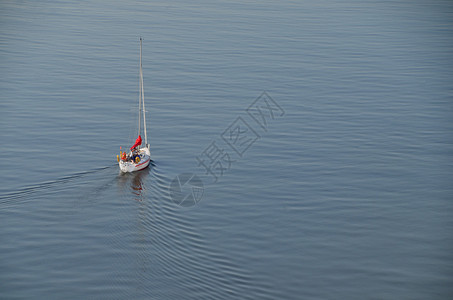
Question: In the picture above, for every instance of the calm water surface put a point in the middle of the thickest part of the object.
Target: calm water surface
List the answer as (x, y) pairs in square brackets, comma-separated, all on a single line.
[(345, 194)]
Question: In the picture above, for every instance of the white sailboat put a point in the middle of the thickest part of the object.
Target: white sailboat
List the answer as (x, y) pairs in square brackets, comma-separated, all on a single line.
[(139, 155)]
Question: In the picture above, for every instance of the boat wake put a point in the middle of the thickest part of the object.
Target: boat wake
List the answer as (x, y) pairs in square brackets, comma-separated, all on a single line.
[(13, 198), (130, 216)]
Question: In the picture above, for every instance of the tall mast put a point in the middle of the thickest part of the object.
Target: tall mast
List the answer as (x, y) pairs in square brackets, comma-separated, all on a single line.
[(140, 90), (143, 95)]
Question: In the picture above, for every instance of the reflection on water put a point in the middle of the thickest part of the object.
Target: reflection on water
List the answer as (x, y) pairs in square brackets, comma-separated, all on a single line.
[(137, 184), (134, 181)]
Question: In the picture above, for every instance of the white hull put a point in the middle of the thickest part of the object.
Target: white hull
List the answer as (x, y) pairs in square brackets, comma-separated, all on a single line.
[(129, 166)]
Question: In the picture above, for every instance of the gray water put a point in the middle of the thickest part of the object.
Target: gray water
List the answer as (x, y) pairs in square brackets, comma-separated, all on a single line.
[(343, 193)]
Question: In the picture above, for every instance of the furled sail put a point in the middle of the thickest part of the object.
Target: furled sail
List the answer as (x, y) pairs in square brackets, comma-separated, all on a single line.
[(138, 142)]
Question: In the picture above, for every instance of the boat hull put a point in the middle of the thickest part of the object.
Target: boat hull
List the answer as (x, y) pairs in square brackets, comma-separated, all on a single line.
[(129, 166)]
